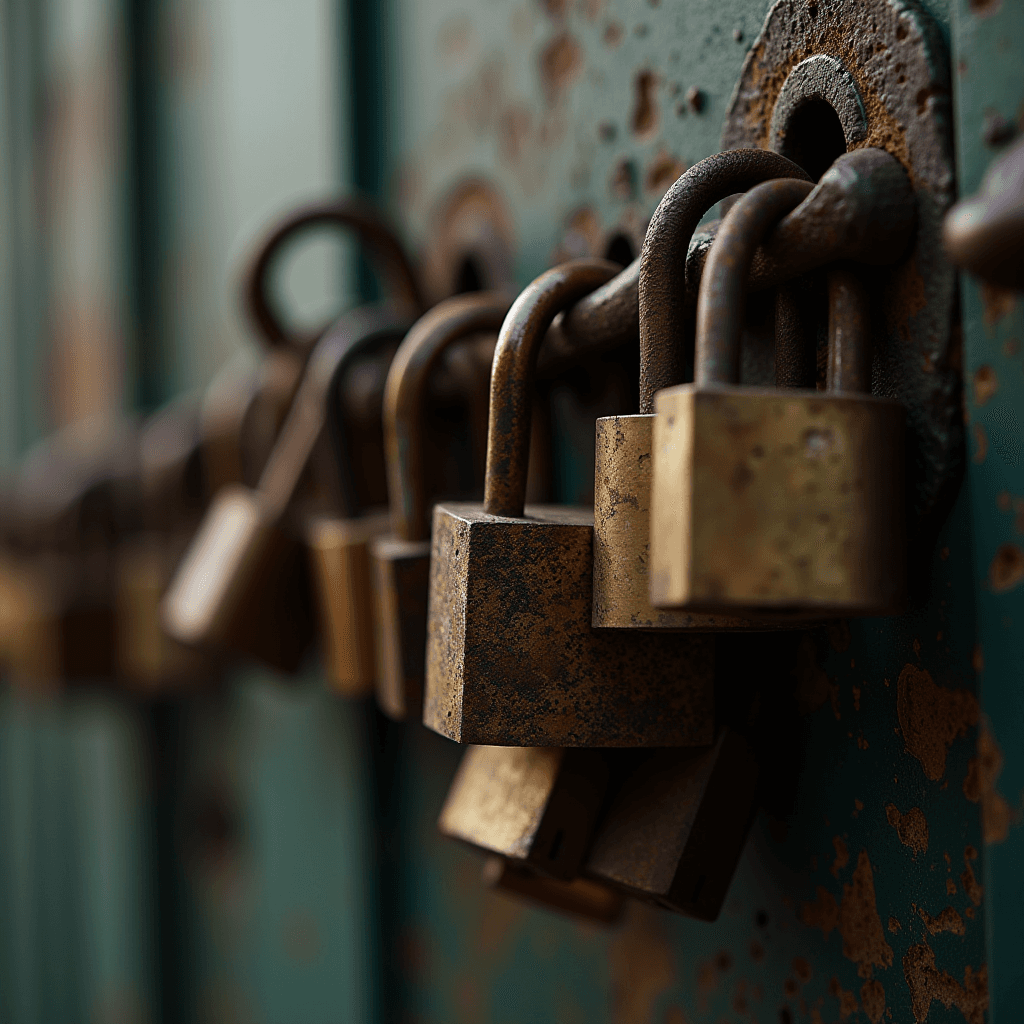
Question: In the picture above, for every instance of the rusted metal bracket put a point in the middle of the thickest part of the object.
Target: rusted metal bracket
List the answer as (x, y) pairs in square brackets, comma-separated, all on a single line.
[(832, 75)]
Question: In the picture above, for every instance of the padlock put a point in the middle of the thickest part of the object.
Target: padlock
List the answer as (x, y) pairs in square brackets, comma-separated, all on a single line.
[(534, 806), (622, 472), (401, 559), (776, 501), (676, 824), (244, 582), (511, 656)]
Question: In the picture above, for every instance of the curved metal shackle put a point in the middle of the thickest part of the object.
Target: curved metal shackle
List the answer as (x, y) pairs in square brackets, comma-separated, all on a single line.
[(354, 333), (723, 285), (849, 332), (662, 284), (512, 372), (376, 236), (448, 322)]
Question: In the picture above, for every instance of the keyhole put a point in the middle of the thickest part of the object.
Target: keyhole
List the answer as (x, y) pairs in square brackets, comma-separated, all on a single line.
[(620, 250), (814, 137)]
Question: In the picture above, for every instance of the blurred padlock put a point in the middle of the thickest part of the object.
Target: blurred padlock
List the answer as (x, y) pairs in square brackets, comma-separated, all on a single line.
[(401, 559), (511, 656), (776, 501)]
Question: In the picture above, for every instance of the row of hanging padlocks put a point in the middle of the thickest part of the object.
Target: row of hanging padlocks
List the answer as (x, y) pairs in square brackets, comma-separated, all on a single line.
[(573, 650)]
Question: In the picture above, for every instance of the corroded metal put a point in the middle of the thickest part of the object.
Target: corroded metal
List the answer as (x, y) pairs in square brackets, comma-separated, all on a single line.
[(662, 281), (984, 233), (782, 500), (401, 560), (535, 806), (511, 656), (676, 825)]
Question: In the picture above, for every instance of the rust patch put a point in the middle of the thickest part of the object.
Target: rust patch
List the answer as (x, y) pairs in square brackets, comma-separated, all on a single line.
[(811, 679), (514, 126), (644, 119), (823, 913), (623, 179), (872, 997), (950, 887), (842, 856), (912, 827), (997, 303), (859, 924), (970, 883), (986, 384), (985, 8), (894, 925), (1006, 569), (947, 921), (641, 964), (931, 717), (980, 444), (560, 64), (980, 785), (662, 172), (927, 983), (613, 34), (847, 1000)]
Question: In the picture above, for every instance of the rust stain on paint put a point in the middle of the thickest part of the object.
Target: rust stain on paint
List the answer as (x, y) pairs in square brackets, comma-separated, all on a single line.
[(560, 64), (859, 924), (847, 1000), (931, 717), (644, 119), (980, 444), (980, 785), (1006, 569), (947, 921), (968, 880), (986, 384), (997, 303), (894, 925), (872, 997), (842, 856), (927, 983), (664, 169), (912, 827)]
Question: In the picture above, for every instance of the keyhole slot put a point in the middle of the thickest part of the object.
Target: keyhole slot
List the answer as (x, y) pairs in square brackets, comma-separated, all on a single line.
[(814, 137)]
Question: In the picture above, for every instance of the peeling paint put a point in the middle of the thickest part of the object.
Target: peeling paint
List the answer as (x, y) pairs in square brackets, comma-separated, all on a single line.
[(872, 997), (968, 880), (980, 785), (927, 984), (947, 921), (859, 924), (912, 827)]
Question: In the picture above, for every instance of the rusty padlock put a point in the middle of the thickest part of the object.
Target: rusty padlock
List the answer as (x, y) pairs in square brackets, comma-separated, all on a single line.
[(244, 582), (776, 501), (511, 656), (401, 559), (676, 824), (622, 473)]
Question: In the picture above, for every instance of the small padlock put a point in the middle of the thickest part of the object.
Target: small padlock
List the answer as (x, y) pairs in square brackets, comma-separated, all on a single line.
[(534, 806), (676, 824), (776, 501), (622, 472), (401, 560), (244, 581), (511, 656)]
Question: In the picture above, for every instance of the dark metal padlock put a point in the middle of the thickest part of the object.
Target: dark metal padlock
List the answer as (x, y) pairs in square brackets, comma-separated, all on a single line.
[(511, 656), (401, 559), (776, 501)]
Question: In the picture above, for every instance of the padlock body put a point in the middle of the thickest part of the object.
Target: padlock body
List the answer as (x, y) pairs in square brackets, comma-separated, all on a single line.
[(401, 578), (339, 551), (581, 897), (531, 805), (676, 825), (622, 524), (511, 656), (788, 501)]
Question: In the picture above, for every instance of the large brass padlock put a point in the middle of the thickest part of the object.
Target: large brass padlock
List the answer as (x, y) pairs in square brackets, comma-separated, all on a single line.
[(622, 472), (776, 501), (401, 559), (511, 656), (244, 582)]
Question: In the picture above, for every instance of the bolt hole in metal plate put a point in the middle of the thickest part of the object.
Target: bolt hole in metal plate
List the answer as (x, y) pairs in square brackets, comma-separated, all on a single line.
[(831, 76)]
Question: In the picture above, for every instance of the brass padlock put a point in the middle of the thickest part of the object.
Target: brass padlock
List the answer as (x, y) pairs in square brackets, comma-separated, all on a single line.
[(534, 806), (776, 501), (401, 559), (511, 656), (622, 472), (244, 582), (676, 824)]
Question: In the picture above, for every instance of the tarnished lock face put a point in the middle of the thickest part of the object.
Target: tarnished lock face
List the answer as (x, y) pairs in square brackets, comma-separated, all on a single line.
[(776, 500), (535, 806), (401, 560), (511, 656)]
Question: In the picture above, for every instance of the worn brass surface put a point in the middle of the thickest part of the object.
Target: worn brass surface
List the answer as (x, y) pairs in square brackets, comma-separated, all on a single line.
[(789, 500), (339, 552), (533, 805), (676, 825), (582, 897), (512, 658)]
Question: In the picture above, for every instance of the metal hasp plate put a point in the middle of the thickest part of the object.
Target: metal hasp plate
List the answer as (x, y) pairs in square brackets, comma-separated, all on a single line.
[(882, 67)]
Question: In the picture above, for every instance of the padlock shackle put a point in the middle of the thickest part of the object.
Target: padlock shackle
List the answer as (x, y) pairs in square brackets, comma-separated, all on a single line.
[(849, 332), (721, 302), (662, 282), (378, 240), (356, 332), (449, 321), (512, 373)]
